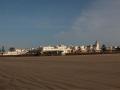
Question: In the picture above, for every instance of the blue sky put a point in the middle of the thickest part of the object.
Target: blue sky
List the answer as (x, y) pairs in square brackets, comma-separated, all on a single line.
[(30, 23)]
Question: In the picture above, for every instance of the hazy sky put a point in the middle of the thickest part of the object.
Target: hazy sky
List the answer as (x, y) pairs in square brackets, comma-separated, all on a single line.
[(30, 23)]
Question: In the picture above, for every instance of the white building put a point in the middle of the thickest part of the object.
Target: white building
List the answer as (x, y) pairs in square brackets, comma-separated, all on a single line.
[(83, 48), (62, 48), (16, 52), (76, 48)]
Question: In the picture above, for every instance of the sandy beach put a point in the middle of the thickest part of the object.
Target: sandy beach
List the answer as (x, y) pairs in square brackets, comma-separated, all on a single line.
[(90, 72)]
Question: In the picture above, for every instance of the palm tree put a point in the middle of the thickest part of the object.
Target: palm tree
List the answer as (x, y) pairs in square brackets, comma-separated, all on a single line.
[(2, 50), (103, 48)]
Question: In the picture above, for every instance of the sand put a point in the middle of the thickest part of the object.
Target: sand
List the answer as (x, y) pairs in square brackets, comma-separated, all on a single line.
[(95, 72)]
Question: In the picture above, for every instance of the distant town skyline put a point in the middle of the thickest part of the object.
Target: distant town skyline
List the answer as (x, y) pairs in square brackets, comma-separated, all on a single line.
[(30, 23)]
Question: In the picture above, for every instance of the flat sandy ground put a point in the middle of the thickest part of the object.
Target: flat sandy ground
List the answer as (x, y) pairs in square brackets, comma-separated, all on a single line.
[(95, 72)]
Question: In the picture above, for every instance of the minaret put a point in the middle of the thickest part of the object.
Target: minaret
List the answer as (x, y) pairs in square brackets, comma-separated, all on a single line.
[(97, 45)]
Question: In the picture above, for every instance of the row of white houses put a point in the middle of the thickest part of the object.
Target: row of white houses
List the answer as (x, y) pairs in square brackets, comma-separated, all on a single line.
[(89, 48), (16, 52), (61, 49)]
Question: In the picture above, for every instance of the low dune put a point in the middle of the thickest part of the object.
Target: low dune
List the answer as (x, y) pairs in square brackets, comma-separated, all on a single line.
[(91, 72)]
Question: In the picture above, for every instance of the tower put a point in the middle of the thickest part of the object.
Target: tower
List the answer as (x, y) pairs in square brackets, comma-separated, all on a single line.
[(97, 46)]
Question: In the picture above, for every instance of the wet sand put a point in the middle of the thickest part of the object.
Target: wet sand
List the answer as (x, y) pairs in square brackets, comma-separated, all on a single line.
[(95, 72)]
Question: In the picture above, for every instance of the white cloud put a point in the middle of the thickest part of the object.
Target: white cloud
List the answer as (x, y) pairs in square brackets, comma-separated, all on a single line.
[(101, 21)]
